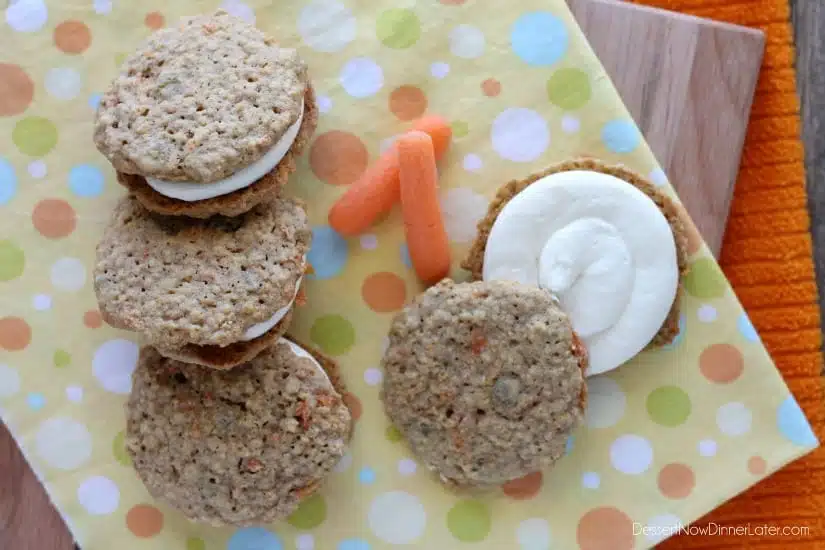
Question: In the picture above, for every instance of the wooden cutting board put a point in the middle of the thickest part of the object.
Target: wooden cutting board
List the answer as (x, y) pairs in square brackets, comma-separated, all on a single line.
[(688, 83)]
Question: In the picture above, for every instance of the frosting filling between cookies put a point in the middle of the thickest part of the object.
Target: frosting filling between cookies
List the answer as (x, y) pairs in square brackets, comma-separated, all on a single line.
[(301, 352), (263, 327), (602, 247), (190, 192)]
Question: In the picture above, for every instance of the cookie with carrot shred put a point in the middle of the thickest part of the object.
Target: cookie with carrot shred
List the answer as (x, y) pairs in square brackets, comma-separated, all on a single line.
[(239, 447), (484, 380)]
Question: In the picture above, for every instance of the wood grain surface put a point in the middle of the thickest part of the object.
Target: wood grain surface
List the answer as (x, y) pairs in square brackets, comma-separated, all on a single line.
[(809, 26), (667, 89), (689, 84)]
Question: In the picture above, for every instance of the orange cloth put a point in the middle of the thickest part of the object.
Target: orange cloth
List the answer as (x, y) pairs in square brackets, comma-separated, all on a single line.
[(767, 257)]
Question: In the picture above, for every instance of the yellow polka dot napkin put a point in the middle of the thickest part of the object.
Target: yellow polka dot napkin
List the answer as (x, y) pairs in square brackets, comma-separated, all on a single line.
[(667, 437)]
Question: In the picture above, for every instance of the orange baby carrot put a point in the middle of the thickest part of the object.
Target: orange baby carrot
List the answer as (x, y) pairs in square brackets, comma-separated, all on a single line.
[(438, 129), (423, 224), (377, 189)]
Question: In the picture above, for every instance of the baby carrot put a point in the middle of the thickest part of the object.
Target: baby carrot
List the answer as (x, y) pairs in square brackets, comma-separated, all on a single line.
[(423, 224), (377, 189), (438, 129)]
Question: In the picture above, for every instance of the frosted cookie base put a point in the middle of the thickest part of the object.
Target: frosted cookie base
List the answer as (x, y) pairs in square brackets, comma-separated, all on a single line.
[(602, 246), (190, 192)]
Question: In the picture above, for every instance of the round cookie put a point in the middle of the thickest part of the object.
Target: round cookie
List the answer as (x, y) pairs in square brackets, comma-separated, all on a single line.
[(240, 447), (238, 202), (200, 102), (210, 283), (474, 261), (485, 380)]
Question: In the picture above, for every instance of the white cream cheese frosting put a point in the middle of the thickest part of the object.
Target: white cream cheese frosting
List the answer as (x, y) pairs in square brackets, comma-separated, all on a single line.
[(190, 192), (301, 352), (602, 247), (263, 327)]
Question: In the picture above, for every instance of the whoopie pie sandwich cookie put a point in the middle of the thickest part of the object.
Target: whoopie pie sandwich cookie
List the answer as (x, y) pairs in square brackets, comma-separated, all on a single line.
[(215, 292), (485, 380), (239, 447), (607, 243), (207, 117)]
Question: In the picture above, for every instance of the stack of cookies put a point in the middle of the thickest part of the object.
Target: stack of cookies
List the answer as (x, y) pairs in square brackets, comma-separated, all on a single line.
[(228, 421)]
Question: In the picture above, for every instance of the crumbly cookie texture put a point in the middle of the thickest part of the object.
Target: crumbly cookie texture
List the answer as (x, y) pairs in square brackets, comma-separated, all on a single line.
[(231, 356), (204, 282), (474, 262), (239, 447), (199, 101), (242, 200), (485, 380)]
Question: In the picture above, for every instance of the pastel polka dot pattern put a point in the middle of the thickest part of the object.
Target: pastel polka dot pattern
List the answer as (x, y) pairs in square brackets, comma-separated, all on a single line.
[(384, 292), (34, 136), (54, 218), (539, 38), (63, 83), (15, 334), (144, 520), (676, 481), (520, 135), (631, 454), (63, 443), (467, 41), (792, 424), (310, 514), (734, 419), (707, 447), (591, 480), (113, 364), (27, 15), (338, 157), (569, 88), (333, 334), (73, 37), (68, 274), (534, 534), (326, 25), (606, 402), (12, 260), (328, 254), (239, 9), (621, 136), (525, 487), (672, 421), (8, 182), (36, 401), (462, 208), (721, 363), (361, 77), (397, 517), (745, 327), (353, 544), (705, 280), (668, 406), (605, 528), (253, 538), (469, 520), (98, 495), (398, 28), (86, 180), (439, 69)]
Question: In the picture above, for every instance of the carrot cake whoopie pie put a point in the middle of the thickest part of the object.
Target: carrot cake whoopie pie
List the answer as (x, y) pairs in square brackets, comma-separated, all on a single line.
[(610, 245), (239, 447), (214, 292), (485, 380), (207, 117)]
